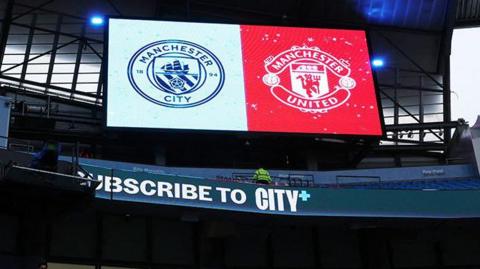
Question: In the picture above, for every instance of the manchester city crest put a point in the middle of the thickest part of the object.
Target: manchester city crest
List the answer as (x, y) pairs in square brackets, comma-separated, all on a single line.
[(176, 73)]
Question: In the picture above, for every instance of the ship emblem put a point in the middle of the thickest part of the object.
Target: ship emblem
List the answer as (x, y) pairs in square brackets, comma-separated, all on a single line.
[(178, 75)]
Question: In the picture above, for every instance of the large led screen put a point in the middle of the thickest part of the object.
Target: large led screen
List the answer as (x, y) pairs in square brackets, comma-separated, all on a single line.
[(198, 76)]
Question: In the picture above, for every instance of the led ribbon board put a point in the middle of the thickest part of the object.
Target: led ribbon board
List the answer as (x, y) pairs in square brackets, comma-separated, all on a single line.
[(148, 188), (198, 76)]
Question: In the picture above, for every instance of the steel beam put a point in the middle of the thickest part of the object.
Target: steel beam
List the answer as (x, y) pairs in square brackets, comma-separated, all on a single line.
[(447, 112), (467, 23), (94, 50), (27, 50), (396, 105), (395, 148), (110, 2), (404, 54), (38, 56), (408, 112), (43, 85), (405, 153), (53, 32), (100, 83), (5, 29), (53, 55), (78, 59), (421, 126), (399, 86), (399, 140), (31, 10), (51, 11), (421, 110), (445, 55)]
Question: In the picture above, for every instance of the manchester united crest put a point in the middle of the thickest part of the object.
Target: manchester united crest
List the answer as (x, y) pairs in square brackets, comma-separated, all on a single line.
[(309, 79)]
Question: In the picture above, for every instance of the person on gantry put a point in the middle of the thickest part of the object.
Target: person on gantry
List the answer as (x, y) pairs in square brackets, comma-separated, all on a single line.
[(262, 176)]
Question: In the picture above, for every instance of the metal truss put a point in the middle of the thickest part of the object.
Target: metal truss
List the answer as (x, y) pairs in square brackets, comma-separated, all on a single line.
[(13, 14), (415, 132)]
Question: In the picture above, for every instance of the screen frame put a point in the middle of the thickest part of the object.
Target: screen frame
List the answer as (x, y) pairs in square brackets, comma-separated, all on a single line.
[(156, 130)]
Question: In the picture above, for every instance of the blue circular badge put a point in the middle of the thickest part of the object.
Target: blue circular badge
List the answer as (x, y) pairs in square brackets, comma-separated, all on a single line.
[(176, 73)]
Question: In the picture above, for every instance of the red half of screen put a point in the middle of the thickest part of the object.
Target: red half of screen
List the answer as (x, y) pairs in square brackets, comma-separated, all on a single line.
[(302, 92)]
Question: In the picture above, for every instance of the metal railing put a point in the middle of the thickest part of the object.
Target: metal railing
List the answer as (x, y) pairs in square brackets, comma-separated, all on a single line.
[(15, 144), (291, 180), (345, 180), (423, 184)]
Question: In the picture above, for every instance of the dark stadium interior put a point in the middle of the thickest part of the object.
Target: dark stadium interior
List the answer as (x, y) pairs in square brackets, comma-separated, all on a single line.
[(52, 69), (394, 30), (137, 237)]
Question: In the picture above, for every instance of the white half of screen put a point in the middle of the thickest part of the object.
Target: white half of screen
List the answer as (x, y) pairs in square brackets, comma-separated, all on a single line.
[(127, 108), (465, 72)]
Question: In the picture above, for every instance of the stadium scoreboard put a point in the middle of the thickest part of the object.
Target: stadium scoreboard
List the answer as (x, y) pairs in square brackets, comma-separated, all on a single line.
[(228, 77)]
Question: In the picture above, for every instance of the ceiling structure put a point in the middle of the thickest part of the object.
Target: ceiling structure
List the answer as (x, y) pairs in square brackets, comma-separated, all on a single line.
[(50, 50), (468, 13), (413, 14)]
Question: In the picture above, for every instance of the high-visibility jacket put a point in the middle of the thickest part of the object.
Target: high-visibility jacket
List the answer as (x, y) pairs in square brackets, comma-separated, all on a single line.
[(262, 175)]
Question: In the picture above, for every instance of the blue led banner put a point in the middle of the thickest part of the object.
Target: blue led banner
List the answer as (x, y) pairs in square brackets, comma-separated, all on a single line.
[(151, 188)]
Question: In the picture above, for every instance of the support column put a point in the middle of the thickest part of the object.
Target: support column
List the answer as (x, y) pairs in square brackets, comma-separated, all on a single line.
[(53, 55), (81, 45), (447, 111), (445, 50), (6, 28), (31, 33)]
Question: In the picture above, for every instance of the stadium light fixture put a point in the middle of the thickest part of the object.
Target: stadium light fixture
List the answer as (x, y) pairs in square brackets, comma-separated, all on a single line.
[(377, 62), (97, 20)]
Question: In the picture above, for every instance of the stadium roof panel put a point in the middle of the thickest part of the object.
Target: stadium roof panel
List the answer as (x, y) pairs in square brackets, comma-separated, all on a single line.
[(418, 14), (468, 13)]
